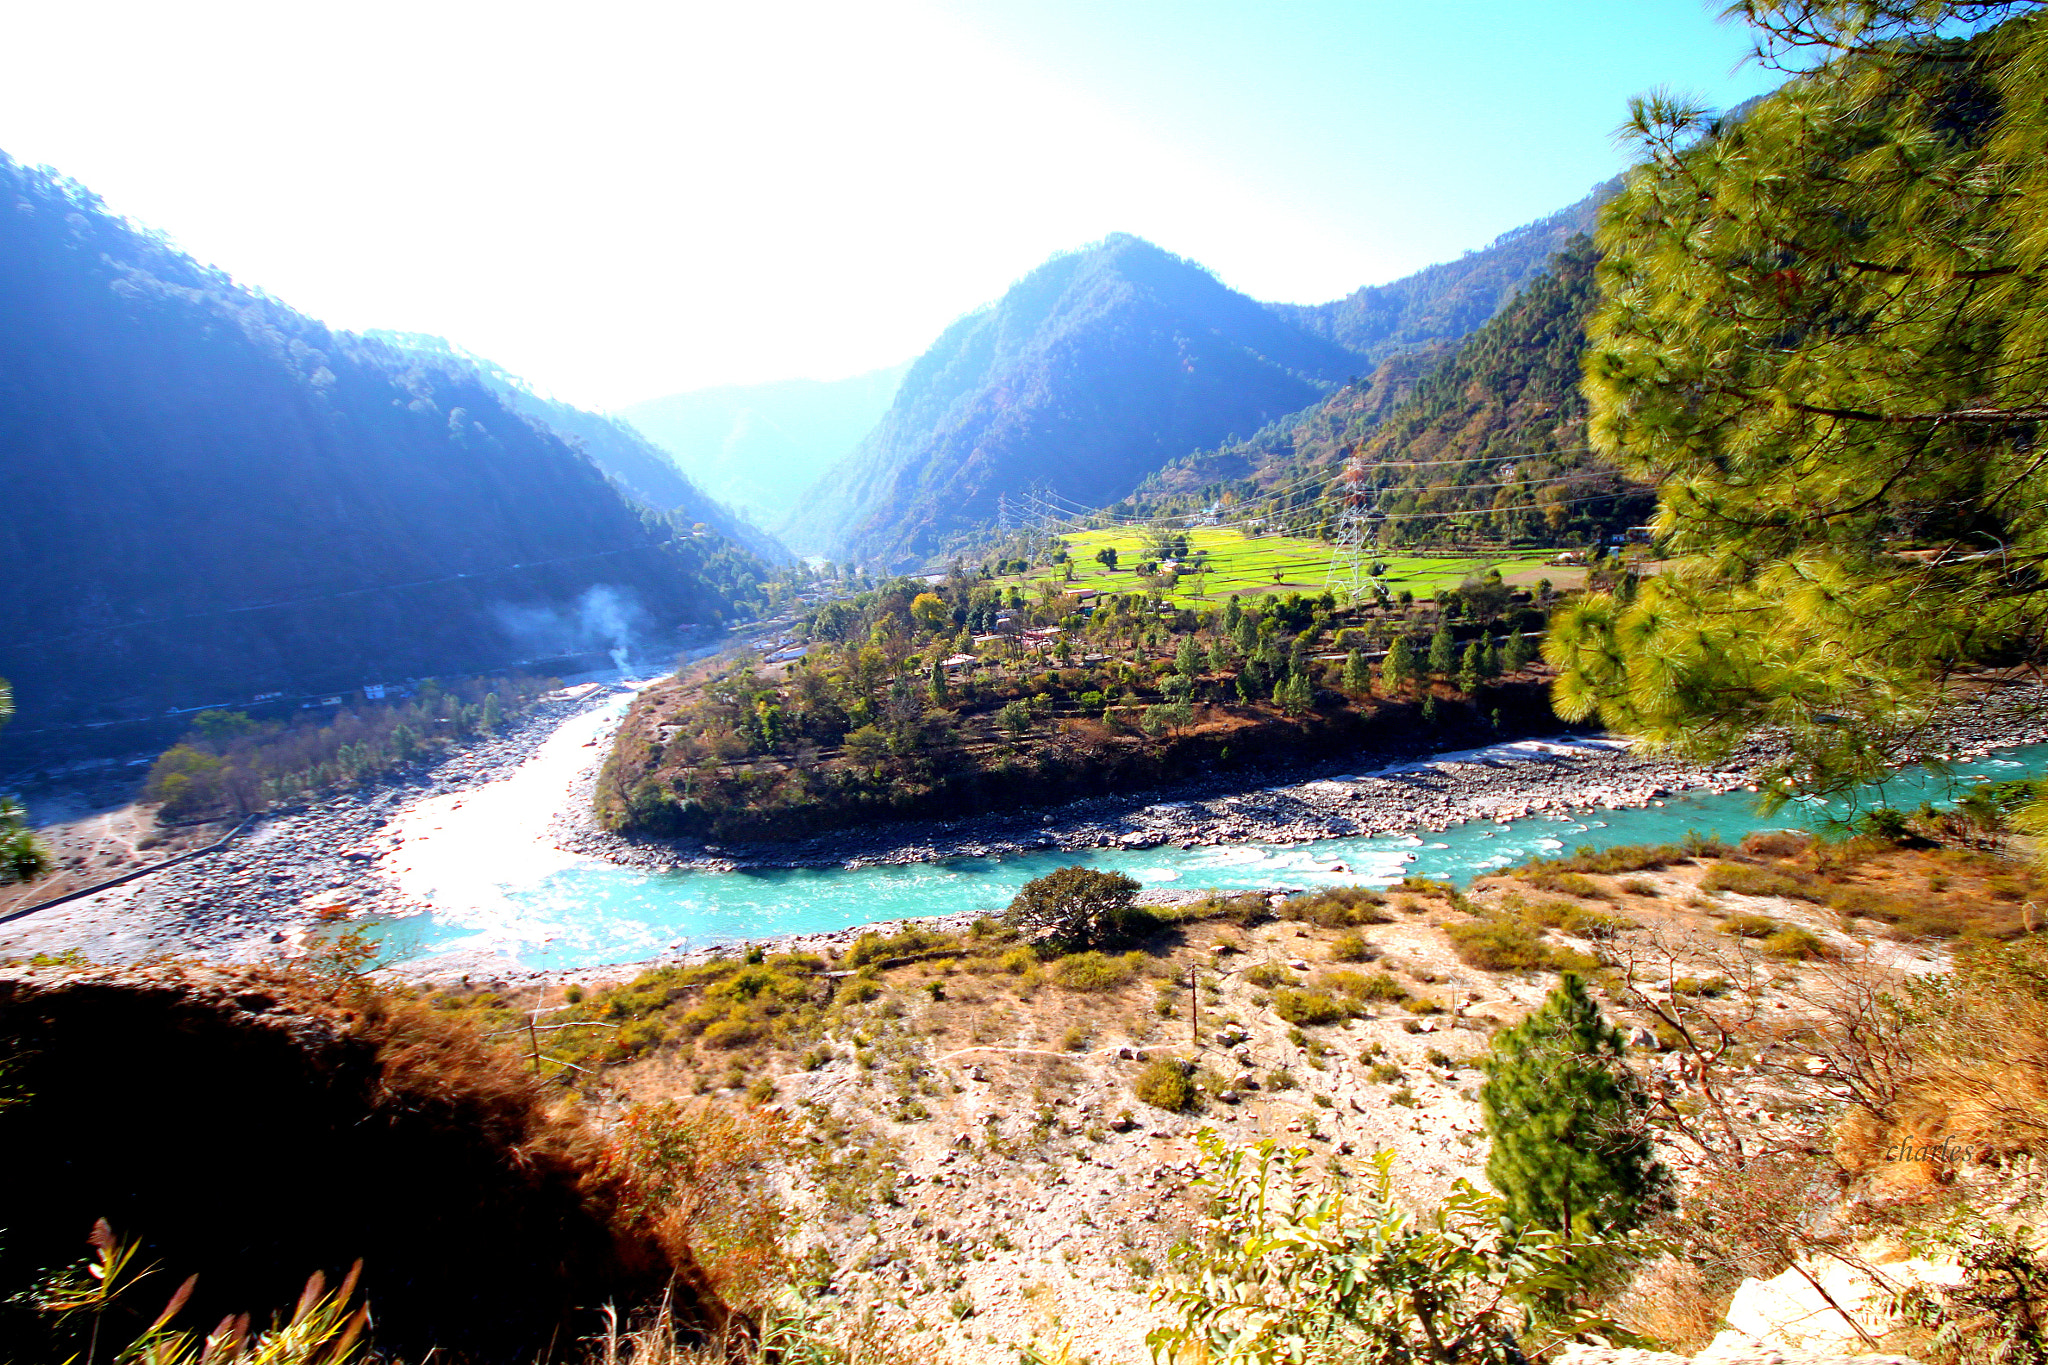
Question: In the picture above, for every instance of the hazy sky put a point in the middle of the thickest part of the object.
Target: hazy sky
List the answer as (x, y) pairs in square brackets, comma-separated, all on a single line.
[(622, 200)]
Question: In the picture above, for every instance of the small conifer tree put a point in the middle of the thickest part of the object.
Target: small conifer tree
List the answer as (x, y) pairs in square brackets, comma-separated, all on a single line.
[(1565, 1114), (1295, 695), (1519, 652), (1472, 668), (1399, 665), (1357, 677), (1443, 652)]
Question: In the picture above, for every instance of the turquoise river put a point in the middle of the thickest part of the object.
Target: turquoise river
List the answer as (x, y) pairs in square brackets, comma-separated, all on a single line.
[(497, 891)]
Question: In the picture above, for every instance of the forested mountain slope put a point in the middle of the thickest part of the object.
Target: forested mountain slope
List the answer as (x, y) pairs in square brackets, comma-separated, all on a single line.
[(1086, 376), (1445, 302), (1496, 426), (647, 471), (758, 446), (209, 496)]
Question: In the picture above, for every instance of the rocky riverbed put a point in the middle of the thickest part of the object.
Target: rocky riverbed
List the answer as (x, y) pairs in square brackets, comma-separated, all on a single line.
[(264, 892), (267, 890), (1359, 794)]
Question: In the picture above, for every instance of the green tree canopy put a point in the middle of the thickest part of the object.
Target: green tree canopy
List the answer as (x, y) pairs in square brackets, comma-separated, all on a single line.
[(1399, 665), (1357, 676), (1565, 1113), (1443, 652), (1076, 907), (1822, 334), (22, 855)]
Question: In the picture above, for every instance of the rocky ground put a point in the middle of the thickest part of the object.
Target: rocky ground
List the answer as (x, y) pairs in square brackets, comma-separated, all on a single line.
[(266, 889), (976, 1172)]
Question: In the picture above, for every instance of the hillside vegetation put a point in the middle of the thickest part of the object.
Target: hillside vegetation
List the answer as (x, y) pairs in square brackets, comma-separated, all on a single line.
[(644, 469), (1483, 444), (943, 702), (212, 497), (1441, 303)]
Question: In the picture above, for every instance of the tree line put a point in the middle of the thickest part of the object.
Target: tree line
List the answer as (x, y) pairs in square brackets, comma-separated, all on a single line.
[(232, 763)]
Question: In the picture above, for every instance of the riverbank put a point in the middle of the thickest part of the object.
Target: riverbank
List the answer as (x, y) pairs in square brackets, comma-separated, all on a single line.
[(264, 893), (470, 837), (1403, 789)]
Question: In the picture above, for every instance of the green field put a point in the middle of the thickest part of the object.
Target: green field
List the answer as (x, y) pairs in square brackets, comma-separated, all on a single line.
[(1243, 565)]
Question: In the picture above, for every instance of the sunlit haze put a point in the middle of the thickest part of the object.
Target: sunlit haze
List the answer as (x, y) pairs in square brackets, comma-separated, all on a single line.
[(624, 200)]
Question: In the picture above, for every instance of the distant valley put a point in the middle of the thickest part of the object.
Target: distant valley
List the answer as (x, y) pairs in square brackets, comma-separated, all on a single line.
[(757, 447)]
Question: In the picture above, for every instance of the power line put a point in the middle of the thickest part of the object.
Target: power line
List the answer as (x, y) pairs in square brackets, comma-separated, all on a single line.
[(1072, 522)]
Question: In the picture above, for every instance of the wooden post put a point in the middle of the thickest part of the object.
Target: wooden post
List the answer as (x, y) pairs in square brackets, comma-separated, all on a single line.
[(533, 1037), (1195, 1002)]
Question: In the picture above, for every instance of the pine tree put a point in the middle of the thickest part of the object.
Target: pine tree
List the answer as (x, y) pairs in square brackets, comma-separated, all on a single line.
[(1246, 634), (937, 678), (1821, 335), (1188, 659), (1519, 652), (1295, 695), (1443, 652), (1472, 668), (1357, 677), (1565, 1114), (1399, 665)]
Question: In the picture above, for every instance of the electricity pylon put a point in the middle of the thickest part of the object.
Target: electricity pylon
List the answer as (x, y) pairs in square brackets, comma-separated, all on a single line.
[(1357, 534)]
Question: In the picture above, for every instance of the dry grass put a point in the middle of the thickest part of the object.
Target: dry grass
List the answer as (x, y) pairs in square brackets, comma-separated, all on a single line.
[(252, 1123), (1978, 1086), (1674, 1303)]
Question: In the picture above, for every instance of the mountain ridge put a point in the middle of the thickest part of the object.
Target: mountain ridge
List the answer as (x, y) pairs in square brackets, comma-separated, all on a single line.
[(982, 419), (1088, 373), (212, 496), (1450, 299), (621, 450), (1492, 423)]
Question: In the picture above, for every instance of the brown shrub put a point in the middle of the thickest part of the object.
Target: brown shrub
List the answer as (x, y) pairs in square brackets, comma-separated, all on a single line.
[(1776, 843), (1352, 948), (1337, 907), (1165, 1084), (1756, 881), (1498, 945), (257, 1124), (1308, 1008), (695, 1170), (1979, 1054)]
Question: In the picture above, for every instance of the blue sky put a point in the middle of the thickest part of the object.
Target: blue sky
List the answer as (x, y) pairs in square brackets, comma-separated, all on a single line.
[(621, 200)]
